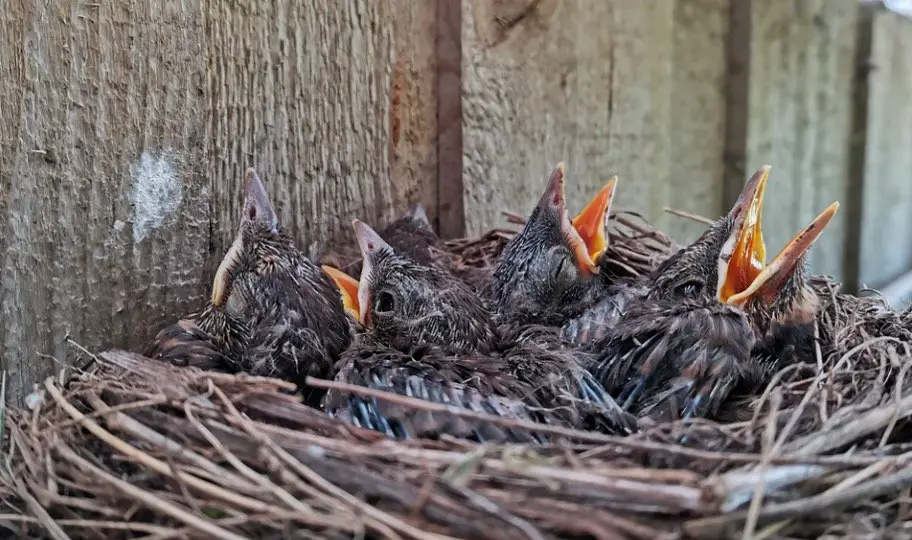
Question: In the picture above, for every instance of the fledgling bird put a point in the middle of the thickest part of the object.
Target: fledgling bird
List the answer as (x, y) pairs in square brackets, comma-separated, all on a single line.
[(407, 307), (546, 274), (716, 317), (412, 233), (272, 311), (613, 293)]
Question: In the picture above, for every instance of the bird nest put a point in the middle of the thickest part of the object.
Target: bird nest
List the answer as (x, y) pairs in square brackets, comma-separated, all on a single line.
[(130, 447)]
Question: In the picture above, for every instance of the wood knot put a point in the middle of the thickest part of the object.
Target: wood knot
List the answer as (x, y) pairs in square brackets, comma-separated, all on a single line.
[(499, 20)]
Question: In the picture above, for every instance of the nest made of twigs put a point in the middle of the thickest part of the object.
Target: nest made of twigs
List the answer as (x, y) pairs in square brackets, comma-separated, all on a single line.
[(131, 447)]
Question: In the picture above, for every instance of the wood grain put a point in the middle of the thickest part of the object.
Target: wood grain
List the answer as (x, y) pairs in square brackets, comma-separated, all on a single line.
[(800, 96), (106, 215), (586, 82), (698, 113), (886, 182), (126, 128)]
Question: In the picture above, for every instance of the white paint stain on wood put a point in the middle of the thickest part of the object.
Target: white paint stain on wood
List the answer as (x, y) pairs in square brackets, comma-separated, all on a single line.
[(157, 191)]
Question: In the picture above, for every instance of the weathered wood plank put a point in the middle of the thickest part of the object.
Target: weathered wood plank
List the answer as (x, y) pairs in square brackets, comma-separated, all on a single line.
[(105, 216), (587, 82), (451, 192), (413, 106), (698, 113), (886, 201), (301, 91), (800, 94), (126, 128)]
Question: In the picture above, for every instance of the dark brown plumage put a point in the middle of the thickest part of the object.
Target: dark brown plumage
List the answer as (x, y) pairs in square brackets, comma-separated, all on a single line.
[(612, 301), (546, 274), (557, 272), (472, 382), (464, 358), (412, 234), (208, 340), (399, 296), (711, 320), (272, 311)]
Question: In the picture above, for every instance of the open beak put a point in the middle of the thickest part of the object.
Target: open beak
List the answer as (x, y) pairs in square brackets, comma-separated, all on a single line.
[(743, 272), (592, 222), (554, 200), (775, 274), (743, 254), (348, 288)]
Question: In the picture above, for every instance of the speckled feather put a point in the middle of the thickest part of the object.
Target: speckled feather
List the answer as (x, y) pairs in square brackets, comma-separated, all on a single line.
[(474, 383), (679, 351), (208, 340), (537, 279), (413, 235), (298, 326), (412, 305), (596, 321), (280, 315), (427, 304), (679, 355)]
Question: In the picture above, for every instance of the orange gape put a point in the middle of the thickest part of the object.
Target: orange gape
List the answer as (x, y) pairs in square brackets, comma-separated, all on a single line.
[(590, 223), (348, 288), (749, 255), (745, 274)]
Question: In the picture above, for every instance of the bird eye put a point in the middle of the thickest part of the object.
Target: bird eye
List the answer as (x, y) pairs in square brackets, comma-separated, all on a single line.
[(386, 303), (559, 268), (689, 287), (565, 272)]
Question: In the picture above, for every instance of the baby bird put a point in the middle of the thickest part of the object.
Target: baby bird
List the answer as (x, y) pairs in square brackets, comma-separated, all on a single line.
[(428, 335), (546, 274), (716, 317), (613, 293), (412, 234), (272, 311)]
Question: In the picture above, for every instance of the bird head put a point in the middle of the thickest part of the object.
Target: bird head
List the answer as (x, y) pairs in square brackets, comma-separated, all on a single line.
[(260, 249), (399, 297), (550, 262), (262, 283), (745, 278), (728, 262), (264, 270)]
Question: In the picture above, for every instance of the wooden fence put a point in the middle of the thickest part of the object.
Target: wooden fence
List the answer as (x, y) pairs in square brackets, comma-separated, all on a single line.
[(125, 128)]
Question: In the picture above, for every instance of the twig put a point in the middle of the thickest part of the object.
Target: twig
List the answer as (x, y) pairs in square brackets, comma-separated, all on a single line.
[(2, 407), (609, 440), (119, 420), (264, 482), (865, 423), (318, 480), (92, 524), (900, 379), (711, 527), (770, 450), (688, 215), (149, 461), (148, 499), (51, 526)]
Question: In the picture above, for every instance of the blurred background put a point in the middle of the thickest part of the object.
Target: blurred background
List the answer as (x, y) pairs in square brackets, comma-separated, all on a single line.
[(125, 128)]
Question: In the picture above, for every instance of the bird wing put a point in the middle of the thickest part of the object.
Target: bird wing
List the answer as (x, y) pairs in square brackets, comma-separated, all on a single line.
[(666, 358), (184, 343), (594, 323), (425, 374), (563, 391)]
